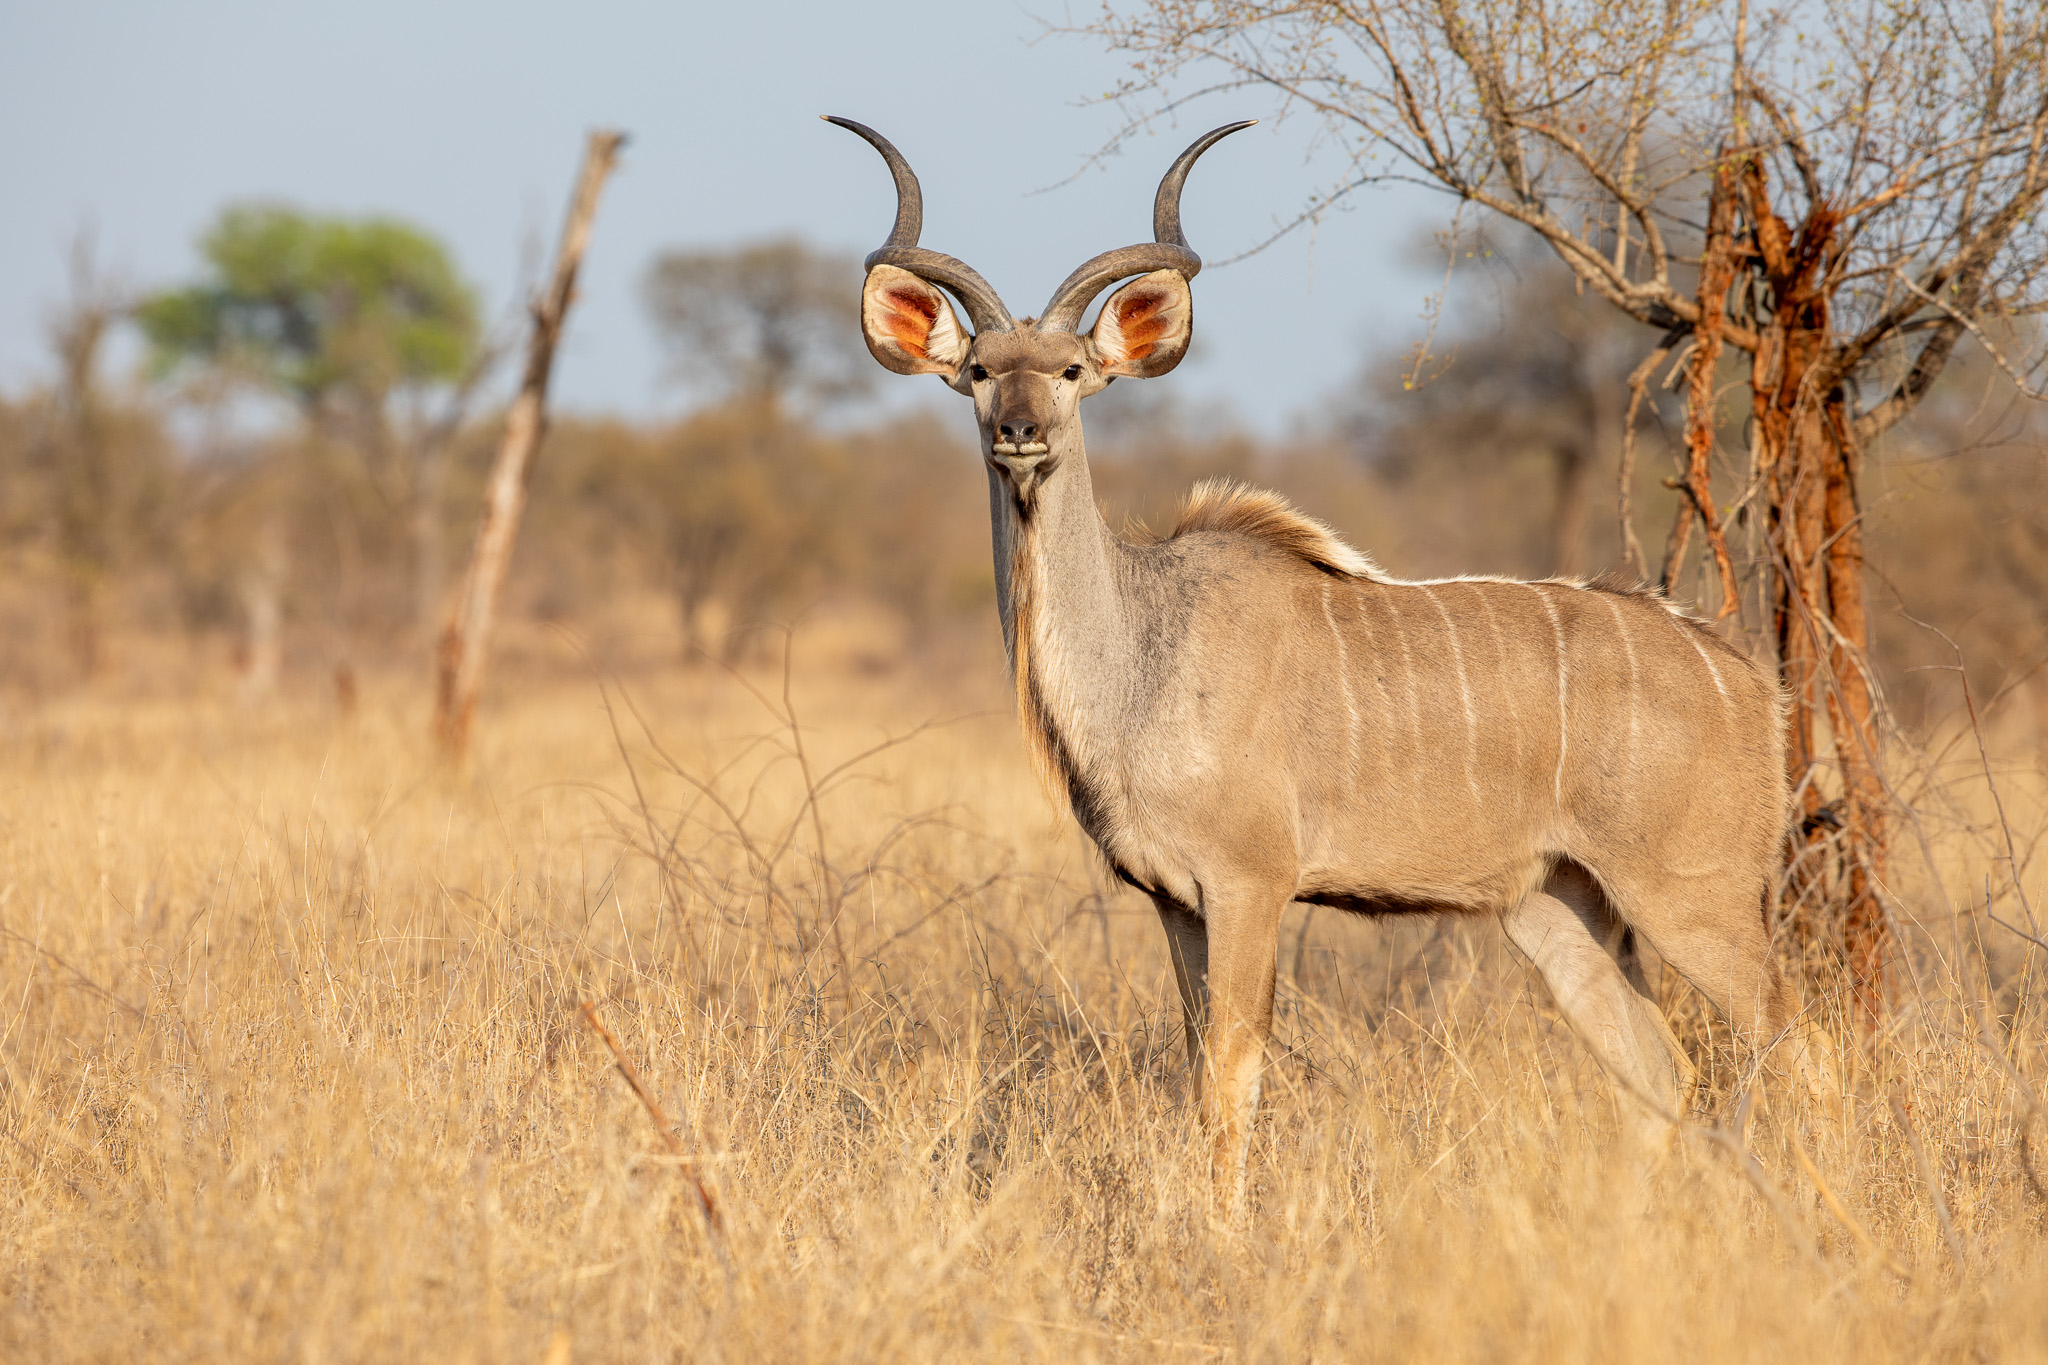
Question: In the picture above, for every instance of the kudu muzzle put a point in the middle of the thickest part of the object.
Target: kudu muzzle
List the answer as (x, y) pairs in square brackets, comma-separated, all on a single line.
[(1024, 417)]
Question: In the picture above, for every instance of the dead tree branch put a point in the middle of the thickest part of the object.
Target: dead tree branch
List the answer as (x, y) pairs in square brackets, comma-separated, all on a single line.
[(465, 643)]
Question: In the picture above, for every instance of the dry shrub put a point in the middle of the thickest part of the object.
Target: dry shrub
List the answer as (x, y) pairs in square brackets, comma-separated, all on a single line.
[(293, 1071)]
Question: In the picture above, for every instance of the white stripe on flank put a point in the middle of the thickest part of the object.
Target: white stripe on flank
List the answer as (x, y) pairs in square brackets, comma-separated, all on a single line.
[(1363, 620), (1364, 623), (1635, 677), (1344, 677), (1464, 694), (1408, 675), (1563, 715), (1706, 659), (1507, 689)]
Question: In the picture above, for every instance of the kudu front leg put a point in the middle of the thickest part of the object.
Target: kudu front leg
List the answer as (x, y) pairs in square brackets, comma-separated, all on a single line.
[(1243, 942)]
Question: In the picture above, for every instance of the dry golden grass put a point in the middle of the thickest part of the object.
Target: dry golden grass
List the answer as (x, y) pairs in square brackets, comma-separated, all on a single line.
[(293, 1071)]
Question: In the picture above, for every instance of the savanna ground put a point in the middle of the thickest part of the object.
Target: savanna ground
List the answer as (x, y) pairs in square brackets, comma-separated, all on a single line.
[(294, 1068)]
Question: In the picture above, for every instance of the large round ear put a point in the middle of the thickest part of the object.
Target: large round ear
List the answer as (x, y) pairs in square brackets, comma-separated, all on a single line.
[(1145, 326), (909, 325)]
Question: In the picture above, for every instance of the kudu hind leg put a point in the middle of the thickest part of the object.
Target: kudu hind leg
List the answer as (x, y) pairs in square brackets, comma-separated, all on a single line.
[(1585, 954), (1728, 960), (1187, 944)]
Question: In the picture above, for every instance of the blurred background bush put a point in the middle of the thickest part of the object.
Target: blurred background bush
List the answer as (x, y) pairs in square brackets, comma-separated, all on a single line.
[(274, 496)]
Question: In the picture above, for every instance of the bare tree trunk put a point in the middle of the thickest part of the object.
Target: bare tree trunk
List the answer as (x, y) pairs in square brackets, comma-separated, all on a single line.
[(690, 600), (1805, 460), (1794, 505), (466, 641), (85, 492), (262, 588), (1836, 860), (700, 559), (1852, 721), (1806, 454), (431, 451), (346, 609)]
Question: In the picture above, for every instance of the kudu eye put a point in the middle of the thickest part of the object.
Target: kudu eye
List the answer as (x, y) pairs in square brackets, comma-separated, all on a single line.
[(976, 373), (1073, 373)]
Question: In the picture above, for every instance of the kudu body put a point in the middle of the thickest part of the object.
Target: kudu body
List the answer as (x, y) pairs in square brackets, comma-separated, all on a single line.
[(1247, 712)]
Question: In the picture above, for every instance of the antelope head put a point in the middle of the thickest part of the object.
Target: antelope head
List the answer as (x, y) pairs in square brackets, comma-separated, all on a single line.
[(1027, 376)]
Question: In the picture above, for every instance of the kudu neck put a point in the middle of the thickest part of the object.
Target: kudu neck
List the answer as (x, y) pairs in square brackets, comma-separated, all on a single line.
[(1056, 566)]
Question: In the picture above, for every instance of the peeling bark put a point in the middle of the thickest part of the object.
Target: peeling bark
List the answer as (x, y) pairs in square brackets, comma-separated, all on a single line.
[(1805, 451), (1717, 277)]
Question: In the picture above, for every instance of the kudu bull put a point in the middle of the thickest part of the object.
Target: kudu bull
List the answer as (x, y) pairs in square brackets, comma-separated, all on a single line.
[(1248, 712)]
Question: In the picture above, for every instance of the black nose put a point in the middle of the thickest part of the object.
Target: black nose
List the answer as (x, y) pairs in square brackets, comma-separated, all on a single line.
[(1020, 431)]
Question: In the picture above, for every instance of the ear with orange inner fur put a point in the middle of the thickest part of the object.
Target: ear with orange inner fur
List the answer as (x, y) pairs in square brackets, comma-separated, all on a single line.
[(1145, 326), (909, 325)]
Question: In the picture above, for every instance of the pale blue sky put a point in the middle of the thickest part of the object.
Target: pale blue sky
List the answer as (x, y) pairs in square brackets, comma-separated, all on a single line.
[(142, 119)]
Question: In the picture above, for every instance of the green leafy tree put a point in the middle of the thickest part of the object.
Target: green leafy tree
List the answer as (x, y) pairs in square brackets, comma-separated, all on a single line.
[(365, 325), (337, 314)]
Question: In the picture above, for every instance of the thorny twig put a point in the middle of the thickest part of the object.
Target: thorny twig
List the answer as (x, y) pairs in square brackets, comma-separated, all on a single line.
[(1997, 356), (707, 1200)]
